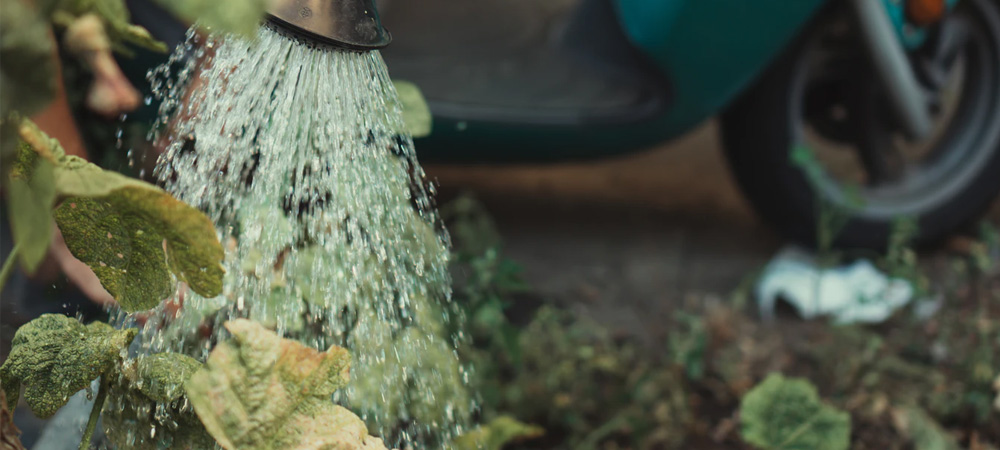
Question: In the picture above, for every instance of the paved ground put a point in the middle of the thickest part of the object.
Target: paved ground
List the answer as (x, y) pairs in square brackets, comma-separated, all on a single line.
[(626, 238)]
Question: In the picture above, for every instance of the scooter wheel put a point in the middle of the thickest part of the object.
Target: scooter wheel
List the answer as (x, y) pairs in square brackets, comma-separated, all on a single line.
[(820, 99)]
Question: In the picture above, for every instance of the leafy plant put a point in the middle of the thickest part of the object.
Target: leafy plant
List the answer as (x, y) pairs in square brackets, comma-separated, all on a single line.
[(133, 235), (496, 434), (147, 408), (923, 431), (259, 391), (28, 81), (55, 356), (256, 391), (138, 240), (782, 413), (832, 217), (240, 17), (416, 114)]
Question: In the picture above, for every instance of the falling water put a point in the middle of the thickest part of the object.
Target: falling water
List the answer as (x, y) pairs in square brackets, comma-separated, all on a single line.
[(300, 156)]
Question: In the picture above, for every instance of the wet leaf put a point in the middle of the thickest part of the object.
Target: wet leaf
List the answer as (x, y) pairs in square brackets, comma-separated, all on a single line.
[(55, 356), (135, 237), (132, 234), (259, 391), (497, 433), (162, 375), (31, 195), (416, 114), (786, 413), (145, 407), (232, 16), (27, 65)]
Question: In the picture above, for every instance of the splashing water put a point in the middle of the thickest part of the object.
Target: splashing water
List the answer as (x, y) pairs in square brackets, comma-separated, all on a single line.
[(300, 156)]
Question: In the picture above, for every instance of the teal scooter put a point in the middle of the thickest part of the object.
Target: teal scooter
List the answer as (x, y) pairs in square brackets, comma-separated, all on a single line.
[(891, 106)]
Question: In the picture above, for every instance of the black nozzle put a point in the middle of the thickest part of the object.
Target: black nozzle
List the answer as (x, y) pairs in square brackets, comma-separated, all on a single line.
[(350, 24)]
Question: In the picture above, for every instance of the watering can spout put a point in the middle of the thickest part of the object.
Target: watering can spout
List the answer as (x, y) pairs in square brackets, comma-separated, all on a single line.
[(349, 24)]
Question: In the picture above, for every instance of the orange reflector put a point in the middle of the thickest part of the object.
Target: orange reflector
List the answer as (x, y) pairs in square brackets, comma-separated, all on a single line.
[(924, 12)]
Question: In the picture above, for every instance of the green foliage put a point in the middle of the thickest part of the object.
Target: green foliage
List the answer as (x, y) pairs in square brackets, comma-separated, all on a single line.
[(233, 16), (433, 378), (55, 356), (134, 421), (32, 194), (146, 405), (113, 14), (688, 343), (487, 280), (135, 237), (27, 65), (900, 259), (132, 234), (559, 369), (163, 375), (416, 114), (496, 434), (785, 413), (985, 254), (259, 391), (832, 216), (923, 431), (583, 385)]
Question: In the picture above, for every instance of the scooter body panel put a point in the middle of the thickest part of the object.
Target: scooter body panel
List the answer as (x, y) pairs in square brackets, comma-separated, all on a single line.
[(707, 51)]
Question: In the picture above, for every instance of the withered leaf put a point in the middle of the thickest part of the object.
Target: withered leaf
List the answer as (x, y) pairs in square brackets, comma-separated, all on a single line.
[(259, 391)]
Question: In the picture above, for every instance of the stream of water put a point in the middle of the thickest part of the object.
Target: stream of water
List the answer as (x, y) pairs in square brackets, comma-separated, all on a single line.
[(299, 154)]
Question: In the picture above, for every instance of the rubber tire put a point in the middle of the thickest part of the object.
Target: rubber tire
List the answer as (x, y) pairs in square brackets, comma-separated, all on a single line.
[(758, 138)]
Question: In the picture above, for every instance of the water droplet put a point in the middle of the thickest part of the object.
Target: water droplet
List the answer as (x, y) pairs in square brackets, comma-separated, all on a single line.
[(283, 147)]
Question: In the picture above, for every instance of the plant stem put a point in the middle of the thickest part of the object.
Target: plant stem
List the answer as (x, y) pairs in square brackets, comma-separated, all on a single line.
[(8, 265), (95, 413)]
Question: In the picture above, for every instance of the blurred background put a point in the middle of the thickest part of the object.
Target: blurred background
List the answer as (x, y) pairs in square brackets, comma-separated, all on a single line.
[(670, 178)]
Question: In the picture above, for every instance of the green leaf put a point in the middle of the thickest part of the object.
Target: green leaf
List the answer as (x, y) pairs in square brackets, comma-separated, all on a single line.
[(416, 114), (135, 236), (55, 356), (259, 391), (782, 413), (115, 17), (31, 195), (497, 433), (132, 234), (922, 430), (27, 61), (162, 375), (232, 16), (134, 420)]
